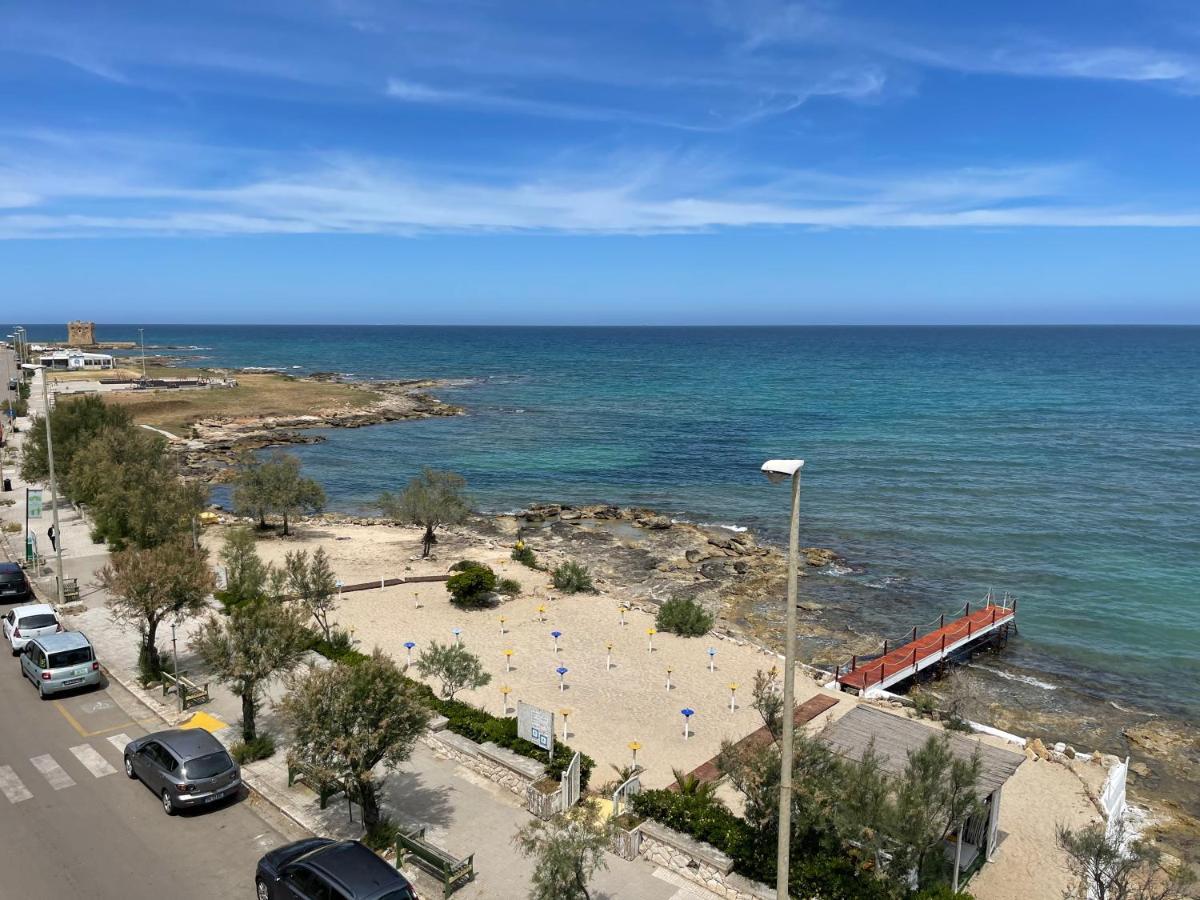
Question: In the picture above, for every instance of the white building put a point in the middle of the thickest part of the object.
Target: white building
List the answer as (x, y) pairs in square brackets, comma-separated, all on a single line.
[(76, 360)]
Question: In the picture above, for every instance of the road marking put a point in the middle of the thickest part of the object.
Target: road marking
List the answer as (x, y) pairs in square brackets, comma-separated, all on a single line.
[(83, 732), (52, 772), (11, 785), (91, 759), (120, 741)]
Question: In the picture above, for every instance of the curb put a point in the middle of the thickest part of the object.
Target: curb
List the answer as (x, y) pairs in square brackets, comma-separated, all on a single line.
[(249, 779)]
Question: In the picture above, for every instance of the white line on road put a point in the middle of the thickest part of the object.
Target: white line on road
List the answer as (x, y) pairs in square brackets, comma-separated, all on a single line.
[(119, 741), (52, 772), (11, 785), (91, 759)]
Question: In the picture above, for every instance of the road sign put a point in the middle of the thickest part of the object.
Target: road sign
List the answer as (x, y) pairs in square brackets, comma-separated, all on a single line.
[(536, 725), (34, 504)]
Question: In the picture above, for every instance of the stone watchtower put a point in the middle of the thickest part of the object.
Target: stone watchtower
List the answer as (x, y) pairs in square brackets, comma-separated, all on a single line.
[(81, 334)]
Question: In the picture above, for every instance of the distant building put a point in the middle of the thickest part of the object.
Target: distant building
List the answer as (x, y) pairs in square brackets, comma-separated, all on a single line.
[(76, 360), (81, 334)]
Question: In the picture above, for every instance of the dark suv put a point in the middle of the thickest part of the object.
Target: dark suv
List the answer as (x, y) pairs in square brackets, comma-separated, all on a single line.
[(322, 869), (14, 587)]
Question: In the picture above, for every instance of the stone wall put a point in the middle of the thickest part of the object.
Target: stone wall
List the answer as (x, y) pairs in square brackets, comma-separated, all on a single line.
[(507, 769), (698, 862)]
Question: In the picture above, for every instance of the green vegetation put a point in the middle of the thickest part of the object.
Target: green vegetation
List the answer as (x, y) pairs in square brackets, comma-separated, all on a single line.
[(471, 587), (568, 850), (1111, 867), (274, 485), (74, 424), (311, 583), (525, 556), (347, 720), (572, 578), (456, 667), (683, 616), (510, 587), (261, 747), (430, 500)]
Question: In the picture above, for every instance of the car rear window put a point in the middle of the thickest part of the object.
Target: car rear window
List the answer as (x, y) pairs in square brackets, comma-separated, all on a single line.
[(41, 620), (402, 894), (64, 658), (208, 766), (11, 578)]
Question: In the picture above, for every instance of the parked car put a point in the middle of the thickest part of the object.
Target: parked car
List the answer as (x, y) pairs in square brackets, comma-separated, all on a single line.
[(329, 870), (23, 623), (14, 586), (60, 662), (184, 767)]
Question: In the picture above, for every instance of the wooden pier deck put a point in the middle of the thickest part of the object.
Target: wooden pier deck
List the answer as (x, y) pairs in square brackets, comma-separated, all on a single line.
[(922, 651)]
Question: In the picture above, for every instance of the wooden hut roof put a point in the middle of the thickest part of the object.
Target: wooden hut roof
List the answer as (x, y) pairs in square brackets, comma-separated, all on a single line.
[(895, 737)]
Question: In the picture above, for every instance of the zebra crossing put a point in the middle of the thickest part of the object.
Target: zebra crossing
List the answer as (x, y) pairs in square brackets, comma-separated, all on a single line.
[(84, 758)]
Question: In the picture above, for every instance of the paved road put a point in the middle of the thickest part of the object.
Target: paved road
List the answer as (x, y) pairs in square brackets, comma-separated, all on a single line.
[(72, 825)]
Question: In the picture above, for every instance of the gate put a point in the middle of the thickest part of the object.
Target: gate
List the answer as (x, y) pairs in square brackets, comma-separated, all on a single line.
[(570, 783), (624, 792)]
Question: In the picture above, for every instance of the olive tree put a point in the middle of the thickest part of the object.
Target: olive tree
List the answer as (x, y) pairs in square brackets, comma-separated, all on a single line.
[(254, 642), (274, 485), (454, 665), (149, 587), (431, 499), (347, 720)]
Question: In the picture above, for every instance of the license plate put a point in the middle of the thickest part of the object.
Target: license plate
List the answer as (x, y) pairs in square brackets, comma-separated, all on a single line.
[(80, 672), (72, 681)]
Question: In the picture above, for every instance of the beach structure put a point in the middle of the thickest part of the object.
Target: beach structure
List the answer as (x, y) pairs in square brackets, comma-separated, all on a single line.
[(75, 360), (81, 334), (895, 737), (954, 636)]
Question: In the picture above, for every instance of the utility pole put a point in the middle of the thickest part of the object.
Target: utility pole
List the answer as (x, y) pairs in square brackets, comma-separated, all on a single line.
[(58, 540), (175, 657), (142, 340)]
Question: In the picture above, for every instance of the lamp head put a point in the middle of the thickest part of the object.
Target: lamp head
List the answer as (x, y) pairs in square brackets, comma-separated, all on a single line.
[(778, 470)]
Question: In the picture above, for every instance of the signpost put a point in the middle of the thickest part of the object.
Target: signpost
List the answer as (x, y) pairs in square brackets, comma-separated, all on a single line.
[(33, 510), (536, 725)]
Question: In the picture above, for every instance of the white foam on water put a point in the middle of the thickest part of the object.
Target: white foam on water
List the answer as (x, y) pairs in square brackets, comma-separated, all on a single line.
[(736, 529), (1012, 676), (836, 570)]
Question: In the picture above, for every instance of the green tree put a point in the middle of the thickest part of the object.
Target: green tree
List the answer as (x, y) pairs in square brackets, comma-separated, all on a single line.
[(290, 492), (568, 850), (767, 698), (456, 667), (346, 720), (430, 500), (149, 587), (251, 491), (1112, 867), (311, 581), (246, 577), (74, 422), (689, 785), (683, 616), (132, 486), (253, 643), (472, 586)]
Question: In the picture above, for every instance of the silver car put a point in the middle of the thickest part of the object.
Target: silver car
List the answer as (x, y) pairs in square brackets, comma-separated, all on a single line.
[(60, 662), (184, 767)]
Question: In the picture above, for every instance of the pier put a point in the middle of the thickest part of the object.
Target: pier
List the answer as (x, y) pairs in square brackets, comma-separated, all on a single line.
[(963, 631)]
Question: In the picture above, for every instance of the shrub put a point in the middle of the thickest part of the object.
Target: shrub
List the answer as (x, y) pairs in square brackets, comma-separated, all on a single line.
[(509, 586), (382, 835), (260, 747), (684, 616), (471, 586), (463, 564), (12, 527), (339, 648), (525, 556), (924, 705), (572, 578)]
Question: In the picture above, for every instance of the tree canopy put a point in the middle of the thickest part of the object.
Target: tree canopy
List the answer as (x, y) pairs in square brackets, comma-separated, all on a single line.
[(311, 581), (430, 500), (74, 423), (568, 850), (275, 485), (456, 667)]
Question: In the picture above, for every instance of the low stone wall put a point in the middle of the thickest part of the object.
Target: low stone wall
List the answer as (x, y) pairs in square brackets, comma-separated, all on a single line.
[(493, 762), (698, 862)]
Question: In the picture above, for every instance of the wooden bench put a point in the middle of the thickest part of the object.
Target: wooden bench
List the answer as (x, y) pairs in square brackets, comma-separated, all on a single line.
[(325, 788), (451, 871), (70, 590), (189, 690)]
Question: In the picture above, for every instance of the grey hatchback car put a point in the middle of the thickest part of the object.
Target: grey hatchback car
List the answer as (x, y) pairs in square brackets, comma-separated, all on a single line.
[(185, 767), (60, 662)]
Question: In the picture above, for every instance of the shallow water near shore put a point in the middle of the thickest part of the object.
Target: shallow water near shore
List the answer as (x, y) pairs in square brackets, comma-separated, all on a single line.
[(1059, 464)]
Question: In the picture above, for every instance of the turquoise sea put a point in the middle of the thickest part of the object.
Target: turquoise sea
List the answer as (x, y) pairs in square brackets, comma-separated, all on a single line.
[(1061, 465)]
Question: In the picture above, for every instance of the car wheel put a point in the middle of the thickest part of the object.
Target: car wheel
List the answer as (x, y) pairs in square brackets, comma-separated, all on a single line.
[(168, 806), (261, 890), (129, 767), (41, 691)]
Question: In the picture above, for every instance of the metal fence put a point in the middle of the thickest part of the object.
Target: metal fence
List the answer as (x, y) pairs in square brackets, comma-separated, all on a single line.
[(624, 792)]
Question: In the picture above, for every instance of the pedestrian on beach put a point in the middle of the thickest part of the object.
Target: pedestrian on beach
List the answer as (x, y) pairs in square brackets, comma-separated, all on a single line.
[(53, 538)]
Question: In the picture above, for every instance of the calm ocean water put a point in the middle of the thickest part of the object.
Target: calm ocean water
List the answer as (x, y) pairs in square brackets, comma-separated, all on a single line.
[(1059, 464)]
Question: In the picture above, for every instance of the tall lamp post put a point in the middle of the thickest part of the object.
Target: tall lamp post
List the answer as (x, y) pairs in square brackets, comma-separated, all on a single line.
[(778, 470), (53, 480), (142, 340)]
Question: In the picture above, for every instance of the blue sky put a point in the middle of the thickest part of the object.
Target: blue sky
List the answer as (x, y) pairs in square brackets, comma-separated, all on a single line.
[(574, 162)]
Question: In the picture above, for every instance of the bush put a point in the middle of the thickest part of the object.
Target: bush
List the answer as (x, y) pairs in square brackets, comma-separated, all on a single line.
[(509, 586), (382, 835), (261, 747), (471, 586), (924, 705), (12, 527), (684, 616), (525, 556), (572, 578), (340, 648), (463, 564)]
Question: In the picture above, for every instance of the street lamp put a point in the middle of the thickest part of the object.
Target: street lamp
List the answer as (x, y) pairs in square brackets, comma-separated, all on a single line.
[(779, 470), (58, 539), (142, 339)]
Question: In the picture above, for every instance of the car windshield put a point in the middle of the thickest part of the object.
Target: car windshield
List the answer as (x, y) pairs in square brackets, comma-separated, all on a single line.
[(402, 894), (41, 620), (208, 766), (75, 657)]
